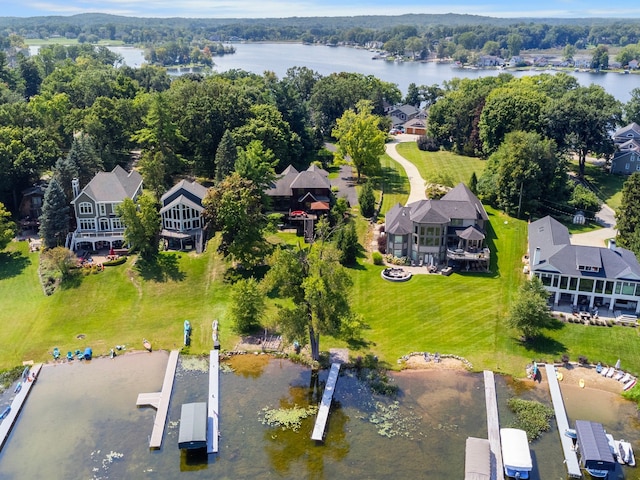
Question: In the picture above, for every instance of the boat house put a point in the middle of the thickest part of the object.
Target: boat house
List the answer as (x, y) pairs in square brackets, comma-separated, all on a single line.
[(477, 460), (193, 426), (593, 446)]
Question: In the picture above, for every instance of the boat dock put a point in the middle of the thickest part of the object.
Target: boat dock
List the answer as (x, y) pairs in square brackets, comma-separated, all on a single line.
[(160, 401), (7, 424), (325, 404), (213, 421), (570, 457), (493, 426)]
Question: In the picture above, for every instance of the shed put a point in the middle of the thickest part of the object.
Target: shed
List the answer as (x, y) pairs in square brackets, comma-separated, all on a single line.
[(593, 446), (477, 460), (193, 426)]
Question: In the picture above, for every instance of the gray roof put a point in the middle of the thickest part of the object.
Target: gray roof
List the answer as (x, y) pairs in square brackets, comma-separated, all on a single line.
[(557, 255), (193, 187), (471, 233), (113, 186), (459, 203), (193, 426), (184, 201), (477, 460), (625, 133), (593, 445), (282, 186), (313, 177)]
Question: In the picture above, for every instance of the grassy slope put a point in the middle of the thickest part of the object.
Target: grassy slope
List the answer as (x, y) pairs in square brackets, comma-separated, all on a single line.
[(433, 165), (609, 186)]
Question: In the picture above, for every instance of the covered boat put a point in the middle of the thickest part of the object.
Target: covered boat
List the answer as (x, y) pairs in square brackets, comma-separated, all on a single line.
[(595, 454), (516, 455), (477, 460), (193, 426)]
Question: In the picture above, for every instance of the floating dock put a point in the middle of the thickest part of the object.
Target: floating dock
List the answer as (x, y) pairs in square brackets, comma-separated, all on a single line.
[(213, 419), (325, 404), (18, 401), (570, 457), (160, 401), (493, 426)]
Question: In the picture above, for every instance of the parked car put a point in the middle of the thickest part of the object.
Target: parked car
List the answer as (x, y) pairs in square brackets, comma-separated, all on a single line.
[(298, 213), (394, 131)]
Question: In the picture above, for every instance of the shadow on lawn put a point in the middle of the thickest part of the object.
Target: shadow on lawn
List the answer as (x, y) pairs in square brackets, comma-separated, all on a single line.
[(160, 268), (543, 345), (391, 182), (12, 264)]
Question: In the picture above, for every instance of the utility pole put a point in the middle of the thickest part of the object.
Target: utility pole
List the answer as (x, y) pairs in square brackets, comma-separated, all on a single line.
[(520, 199)]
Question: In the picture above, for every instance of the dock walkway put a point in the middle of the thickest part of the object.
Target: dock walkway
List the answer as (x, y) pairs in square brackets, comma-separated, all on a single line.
[(493, 426), (213, 419), (325, 404), (570, 457), (160, 401), (18, 401)]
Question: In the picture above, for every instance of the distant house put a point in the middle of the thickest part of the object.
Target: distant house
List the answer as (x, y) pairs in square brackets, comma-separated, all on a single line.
[(400, 114), (431, 232), (626, 159), (417, 125), (181, 212), (633, 64), (582, 276), (490, 61), (301, 191), (31, 204), (98, 225)]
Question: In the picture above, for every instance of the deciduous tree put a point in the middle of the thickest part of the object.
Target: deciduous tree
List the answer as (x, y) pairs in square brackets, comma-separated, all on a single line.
[(360, 138), (141, 224), (246, 305), (628, 215), (529, 312), (62, 259), (7, 227)]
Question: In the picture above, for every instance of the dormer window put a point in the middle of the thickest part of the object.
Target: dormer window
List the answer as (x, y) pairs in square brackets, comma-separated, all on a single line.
[(588, 268)]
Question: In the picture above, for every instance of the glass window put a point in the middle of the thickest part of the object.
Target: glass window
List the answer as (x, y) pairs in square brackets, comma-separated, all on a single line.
[(608, 287), (628, 288), (573, 283), (599, 286), (586, 285), (87, 224), (564, 281), (85, 208), (102, 208), (546, 279)]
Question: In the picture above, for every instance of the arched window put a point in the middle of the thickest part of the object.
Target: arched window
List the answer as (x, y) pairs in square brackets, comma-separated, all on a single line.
[(85, 208)]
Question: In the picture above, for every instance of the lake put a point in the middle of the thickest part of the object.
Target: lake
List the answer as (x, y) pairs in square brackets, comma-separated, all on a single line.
[(81, 421)]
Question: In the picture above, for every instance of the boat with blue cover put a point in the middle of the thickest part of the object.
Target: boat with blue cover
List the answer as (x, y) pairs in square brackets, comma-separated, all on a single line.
[(5, 413)]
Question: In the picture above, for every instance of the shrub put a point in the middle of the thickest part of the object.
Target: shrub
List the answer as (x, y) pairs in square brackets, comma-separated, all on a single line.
[(565, 358), (382, 243), (582, 360), (427, 144), (531, 416), (377, 258), (117, 261)]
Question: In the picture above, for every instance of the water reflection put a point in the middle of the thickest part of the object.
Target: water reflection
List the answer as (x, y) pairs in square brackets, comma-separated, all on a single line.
[(81, 422)]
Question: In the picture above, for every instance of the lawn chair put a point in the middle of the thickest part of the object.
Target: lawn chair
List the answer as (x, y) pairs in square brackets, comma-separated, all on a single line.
[(69, 356), (421, 262)]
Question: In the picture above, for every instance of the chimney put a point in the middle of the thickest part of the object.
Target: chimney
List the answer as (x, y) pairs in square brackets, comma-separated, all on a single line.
[(536, 257), (612, 244), (75, 186)]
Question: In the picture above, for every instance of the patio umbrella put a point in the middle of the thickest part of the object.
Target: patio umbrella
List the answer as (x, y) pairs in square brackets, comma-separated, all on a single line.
[(617, 367)]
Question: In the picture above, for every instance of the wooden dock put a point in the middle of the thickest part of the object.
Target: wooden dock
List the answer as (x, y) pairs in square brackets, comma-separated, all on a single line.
[(160, 401), (493, 426), (18, 401), (570, 456), (213, 419), (325, 404)]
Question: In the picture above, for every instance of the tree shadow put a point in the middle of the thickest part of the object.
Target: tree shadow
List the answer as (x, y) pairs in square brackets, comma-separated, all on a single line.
[(12, 264), (490, 238), (391, 181), (233, 274), (543, 345), (71, 281), (160, 268)]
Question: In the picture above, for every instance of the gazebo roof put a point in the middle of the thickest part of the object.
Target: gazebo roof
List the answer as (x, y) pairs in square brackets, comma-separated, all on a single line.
[(471, 233)]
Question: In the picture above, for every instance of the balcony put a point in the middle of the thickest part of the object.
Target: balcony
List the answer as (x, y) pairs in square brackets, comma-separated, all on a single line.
[(477, 254)]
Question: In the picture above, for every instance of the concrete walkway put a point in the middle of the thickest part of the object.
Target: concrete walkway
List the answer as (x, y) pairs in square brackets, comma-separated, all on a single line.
[(416, 182)]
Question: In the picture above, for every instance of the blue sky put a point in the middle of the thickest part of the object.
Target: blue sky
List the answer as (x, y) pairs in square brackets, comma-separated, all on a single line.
[(313, 8)]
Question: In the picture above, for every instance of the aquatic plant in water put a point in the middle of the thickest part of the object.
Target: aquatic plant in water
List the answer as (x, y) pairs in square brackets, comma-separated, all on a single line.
[(531, 416), (287, 418), (194, 363), (392, 423)]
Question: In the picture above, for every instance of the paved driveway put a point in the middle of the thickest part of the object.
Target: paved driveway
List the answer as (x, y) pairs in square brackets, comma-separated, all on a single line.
[(416, 182)]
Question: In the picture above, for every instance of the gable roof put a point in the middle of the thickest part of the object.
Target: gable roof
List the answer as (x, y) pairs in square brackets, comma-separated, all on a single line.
[(181, 199), (593, 444), (462, 193), (558, 255), (625, 133), (398, 221), (282, 185), (194, 188), (113, 186), (313, 177)]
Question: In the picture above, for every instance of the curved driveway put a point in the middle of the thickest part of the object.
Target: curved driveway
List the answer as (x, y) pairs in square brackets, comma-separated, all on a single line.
[(416, 182)]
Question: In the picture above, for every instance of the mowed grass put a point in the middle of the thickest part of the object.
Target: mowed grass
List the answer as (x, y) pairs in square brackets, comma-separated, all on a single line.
[(608, 186), (436, 166), (114, 307)]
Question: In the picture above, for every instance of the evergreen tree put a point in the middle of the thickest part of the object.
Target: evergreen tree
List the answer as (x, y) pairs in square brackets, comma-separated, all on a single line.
[(225, 156), (54, 221), (83, 154), (367, 200), (64, 172), (347, 243), (628, 215), (473, 183)]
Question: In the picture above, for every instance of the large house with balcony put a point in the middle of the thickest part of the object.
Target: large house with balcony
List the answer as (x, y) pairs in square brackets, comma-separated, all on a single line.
[(181, 212), (98, 225), (433, 232), (585, 277)]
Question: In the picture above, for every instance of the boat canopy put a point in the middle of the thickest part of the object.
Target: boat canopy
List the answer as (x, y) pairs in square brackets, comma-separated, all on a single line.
[(593, 446), (193, 426), (515, 449), (477, 462)]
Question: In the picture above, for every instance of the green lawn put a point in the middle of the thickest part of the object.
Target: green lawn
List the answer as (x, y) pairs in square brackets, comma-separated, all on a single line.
[(117, 306), (393, 181), (441, 165), (608, 187)]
